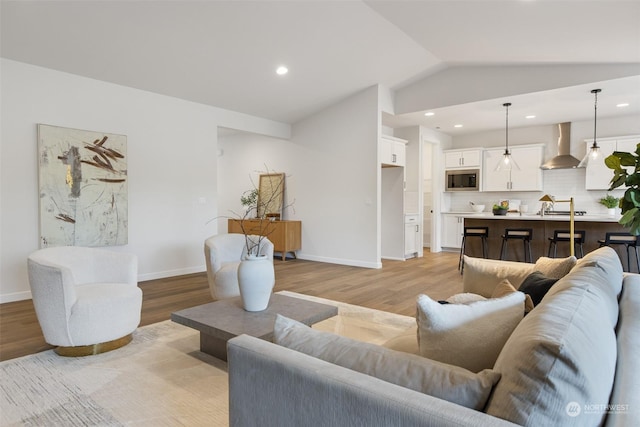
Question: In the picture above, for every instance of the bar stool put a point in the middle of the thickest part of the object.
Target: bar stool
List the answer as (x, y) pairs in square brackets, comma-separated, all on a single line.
[(626, 239), (565, 236), (482, 232), (524, 234)]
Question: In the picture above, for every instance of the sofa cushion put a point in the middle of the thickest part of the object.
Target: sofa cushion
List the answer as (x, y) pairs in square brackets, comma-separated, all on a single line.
[(446, 382), (482, 275), (467, 335), (536, 285), (563, 354), (505, 288), (555, 267)]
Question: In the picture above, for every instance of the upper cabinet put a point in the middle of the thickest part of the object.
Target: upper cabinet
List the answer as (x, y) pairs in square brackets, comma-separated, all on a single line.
[(462, 158), (598, 175), (392, 151), (527, 178)]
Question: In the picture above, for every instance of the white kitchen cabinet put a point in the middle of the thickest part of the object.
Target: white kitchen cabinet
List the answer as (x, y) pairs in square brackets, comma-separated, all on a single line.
[(452, 229), (598, 175), (462, 158), (527, 178), (392, 151), (411, 235)]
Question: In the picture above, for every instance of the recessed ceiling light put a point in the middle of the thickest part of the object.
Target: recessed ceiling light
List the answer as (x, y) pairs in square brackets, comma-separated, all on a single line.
[(530, 117), (457, 126), (429, 114), (282, 70), (624, 104)]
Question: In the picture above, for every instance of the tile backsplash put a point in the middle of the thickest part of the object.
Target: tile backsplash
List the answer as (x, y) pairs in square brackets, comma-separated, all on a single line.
[(560, 183)]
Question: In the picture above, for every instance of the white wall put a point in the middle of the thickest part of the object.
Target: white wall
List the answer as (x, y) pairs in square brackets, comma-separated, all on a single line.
[(244, 156), (172, 151), (331, 166)]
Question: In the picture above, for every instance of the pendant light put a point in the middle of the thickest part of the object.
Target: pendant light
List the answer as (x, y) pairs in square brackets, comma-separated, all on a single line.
[(593, 154), (507, 163)]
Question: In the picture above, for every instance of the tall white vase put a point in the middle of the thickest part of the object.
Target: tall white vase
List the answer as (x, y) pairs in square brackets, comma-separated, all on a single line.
[(256, 278)]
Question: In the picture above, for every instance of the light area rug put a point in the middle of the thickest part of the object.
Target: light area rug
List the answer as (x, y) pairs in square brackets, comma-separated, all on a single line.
[(159, 379)]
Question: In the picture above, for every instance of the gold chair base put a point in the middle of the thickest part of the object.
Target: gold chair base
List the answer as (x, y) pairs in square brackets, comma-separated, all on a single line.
[(88, 350)]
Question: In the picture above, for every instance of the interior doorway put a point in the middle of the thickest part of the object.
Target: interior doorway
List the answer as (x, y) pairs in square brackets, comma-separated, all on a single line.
[(427, 189), (432, 174)]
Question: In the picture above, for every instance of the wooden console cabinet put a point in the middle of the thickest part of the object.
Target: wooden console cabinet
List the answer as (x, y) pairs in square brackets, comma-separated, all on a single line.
[(286, 236)]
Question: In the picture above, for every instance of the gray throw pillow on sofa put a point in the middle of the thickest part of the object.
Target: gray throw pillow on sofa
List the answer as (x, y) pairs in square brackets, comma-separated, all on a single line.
[(436, 379)]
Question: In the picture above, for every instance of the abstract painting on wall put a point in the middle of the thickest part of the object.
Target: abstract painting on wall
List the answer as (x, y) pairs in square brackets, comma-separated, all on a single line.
[(83, 187)]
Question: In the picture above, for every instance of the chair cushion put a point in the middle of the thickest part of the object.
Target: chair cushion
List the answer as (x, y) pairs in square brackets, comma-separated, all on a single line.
[(440, 380), (104, 312), (226, 280), (467, 335)]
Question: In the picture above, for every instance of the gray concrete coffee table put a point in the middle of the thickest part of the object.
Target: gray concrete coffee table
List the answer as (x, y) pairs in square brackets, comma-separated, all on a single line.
[(222, 320)]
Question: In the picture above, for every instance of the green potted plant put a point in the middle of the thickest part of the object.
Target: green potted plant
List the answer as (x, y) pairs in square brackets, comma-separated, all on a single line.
[(619, 161), (610, 202)]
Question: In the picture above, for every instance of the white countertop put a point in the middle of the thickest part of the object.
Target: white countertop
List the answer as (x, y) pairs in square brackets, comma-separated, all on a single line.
[(534, 217)]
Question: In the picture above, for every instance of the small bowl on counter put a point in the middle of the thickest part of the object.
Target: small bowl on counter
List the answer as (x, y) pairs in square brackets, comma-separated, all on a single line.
[(477, 208), (500, 211)]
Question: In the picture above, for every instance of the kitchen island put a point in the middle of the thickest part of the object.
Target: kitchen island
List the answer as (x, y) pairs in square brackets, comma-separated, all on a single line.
[(595, 226)]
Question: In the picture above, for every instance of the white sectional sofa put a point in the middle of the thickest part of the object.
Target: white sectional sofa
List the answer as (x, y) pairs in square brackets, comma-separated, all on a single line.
[(573, 360)]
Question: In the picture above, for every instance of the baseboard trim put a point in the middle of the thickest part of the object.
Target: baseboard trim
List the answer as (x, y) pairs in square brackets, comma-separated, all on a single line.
[(16, 296), (171, 273), (340, 261)]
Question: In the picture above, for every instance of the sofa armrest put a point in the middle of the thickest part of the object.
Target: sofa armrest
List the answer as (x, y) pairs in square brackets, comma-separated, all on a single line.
[(625, 399), (274, 386)]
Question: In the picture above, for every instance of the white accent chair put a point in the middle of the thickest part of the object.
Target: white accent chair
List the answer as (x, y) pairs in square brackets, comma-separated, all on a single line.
[(223, 253), (87, 300)]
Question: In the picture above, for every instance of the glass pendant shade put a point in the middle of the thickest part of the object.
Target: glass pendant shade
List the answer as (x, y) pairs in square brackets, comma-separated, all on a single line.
[(507, 163), (593, 153)]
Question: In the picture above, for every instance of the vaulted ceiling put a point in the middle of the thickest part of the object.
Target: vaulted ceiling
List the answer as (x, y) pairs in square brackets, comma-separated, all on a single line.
[(225, 53)]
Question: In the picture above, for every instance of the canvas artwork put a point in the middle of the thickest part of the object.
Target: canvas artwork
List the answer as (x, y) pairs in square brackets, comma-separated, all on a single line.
[(83, 187)]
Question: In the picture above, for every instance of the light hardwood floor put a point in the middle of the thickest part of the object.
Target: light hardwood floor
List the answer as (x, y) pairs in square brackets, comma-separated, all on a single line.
[(392, 288)]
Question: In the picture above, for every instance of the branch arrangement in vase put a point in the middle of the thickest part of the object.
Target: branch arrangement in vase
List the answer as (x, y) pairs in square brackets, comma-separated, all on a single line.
[(260, 206)]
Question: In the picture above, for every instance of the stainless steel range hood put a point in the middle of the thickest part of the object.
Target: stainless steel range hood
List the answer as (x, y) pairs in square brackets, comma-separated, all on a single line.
[(564, 160)]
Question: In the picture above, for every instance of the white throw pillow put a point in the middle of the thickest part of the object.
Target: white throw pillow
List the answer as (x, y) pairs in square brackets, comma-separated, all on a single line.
[(467, 335), (436, 379)]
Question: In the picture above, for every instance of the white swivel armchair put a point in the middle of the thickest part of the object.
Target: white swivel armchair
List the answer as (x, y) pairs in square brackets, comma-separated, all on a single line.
[(223, 253), (87, 300)]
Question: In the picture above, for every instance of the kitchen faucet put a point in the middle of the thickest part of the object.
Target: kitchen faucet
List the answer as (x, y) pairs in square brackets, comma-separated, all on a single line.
[(546, 208)]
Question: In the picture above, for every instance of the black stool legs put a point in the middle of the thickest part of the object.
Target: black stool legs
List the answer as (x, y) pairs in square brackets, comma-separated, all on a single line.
[(626, 239), (482, 232), (524, 234), (565, 236)]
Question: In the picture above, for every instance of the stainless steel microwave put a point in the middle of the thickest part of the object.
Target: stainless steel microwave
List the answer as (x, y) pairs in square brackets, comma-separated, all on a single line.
[(462, 180)]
